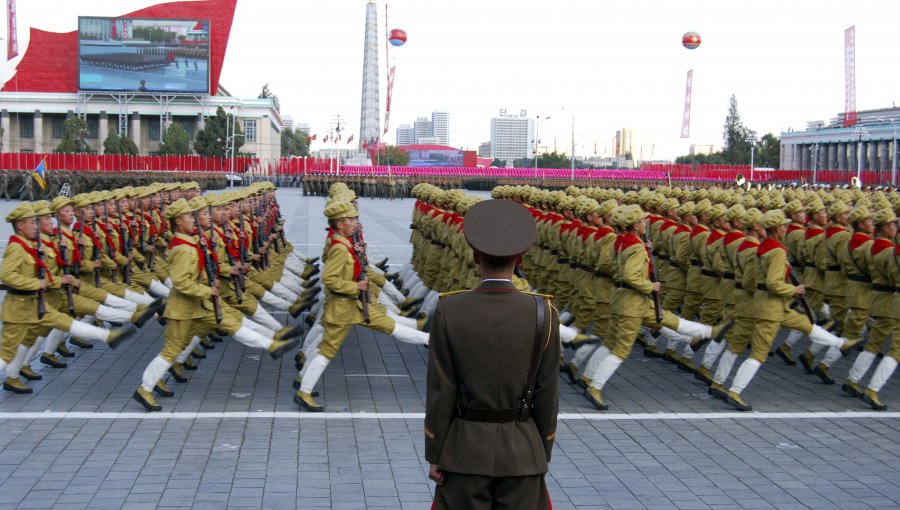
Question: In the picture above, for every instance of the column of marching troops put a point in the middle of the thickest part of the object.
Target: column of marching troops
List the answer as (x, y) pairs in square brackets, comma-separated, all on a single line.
[(677, 270), (705, 274), (19, 184)]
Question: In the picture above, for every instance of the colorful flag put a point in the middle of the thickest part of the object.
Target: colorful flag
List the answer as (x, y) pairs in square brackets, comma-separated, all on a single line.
[(12, 45), (349, 139), (325, 140), (310, 138), (365, 144), (40, 174)]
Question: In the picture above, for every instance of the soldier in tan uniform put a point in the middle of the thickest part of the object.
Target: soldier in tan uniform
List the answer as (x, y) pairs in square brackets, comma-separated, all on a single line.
[(884, 271), (771, 306)]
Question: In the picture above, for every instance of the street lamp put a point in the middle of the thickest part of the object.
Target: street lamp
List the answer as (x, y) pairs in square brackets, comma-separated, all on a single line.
[(572, 113), (537, 140), (860, 132), (753, 140)]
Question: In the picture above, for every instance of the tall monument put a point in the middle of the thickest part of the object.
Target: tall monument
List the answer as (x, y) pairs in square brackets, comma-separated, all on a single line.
[(369, 117)]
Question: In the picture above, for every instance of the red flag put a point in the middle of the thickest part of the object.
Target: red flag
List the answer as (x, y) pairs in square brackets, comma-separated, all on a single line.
[(310, 138), (365, 144), (12, 45)]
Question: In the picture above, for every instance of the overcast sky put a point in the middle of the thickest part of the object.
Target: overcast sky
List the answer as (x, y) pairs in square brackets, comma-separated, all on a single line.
[(618, 64)]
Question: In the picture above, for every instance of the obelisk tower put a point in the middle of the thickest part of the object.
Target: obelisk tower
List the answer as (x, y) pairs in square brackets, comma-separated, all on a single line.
[(369, 118)]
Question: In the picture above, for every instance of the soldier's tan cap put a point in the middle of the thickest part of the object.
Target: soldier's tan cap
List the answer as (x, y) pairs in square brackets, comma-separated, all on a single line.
[(717, 211), (631, 215), (59, 202), (838, 208), (178, 208), (607, 207), (883, 216), (685, 208), (735, 211), (794, 206), (499, 228), (41, 208), (81, 200), (859, 213), (773, 218), (22, 211), (753, 215), (340, 209), (197, 203), (815, 205), (702, 207)]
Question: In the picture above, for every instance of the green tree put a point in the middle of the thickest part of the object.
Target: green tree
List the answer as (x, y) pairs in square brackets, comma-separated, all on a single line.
[(128, 146), (499, 163), (388, 154), (768, 152), (74, 134), (112, 144), (175, 141), (293, 143), (737, 137), (212, 139)]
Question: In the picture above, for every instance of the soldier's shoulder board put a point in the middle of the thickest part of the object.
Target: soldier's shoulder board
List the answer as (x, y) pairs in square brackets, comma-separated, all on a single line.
[(548, 297), (452, 293)]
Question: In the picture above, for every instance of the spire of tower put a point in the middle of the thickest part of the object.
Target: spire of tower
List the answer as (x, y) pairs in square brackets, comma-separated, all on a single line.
[(369, 118)]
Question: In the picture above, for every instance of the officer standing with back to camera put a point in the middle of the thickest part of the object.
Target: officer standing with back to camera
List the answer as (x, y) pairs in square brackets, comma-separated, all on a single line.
[(493, 386)]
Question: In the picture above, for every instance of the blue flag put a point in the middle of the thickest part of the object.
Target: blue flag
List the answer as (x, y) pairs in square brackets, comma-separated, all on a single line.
[(40, 175)]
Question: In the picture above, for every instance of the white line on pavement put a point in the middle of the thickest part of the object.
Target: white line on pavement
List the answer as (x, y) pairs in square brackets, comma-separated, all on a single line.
[(75, 415)]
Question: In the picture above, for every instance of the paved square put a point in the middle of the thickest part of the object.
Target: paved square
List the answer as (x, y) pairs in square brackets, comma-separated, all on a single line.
[(232, 437)]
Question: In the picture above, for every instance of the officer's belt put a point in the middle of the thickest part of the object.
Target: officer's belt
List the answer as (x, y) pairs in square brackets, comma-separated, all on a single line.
[(696, 263), (833, 267), (488, 415), (563, 261), (762, 286), (884, 288), (709, 272), (601, 274), (728, 276), (661, 256), (738, 286), (859, 278)]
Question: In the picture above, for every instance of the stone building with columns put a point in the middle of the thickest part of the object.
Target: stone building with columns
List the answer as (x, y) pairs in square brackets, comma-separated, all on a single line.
[(33, 121), (869, 145)]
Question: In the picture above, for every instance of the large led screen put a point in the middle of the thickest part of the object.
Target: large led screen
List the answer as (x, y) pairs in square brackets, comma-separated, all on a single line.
[(143, 55)]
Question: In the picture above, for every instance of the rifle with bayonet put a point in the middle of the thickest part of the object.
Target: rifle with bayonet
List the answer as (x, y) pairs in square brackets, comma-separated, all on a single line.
[(125, 242), (41, 273), (110, 249), (801, 298), (239, 277), (210, 266), (654, 277), (356, 239), (67, 268)]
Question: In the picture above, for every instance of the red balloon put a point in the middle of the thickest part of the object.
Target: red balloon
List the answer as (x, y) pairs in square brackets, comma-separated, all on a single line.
[(691, 40), (397, 37)]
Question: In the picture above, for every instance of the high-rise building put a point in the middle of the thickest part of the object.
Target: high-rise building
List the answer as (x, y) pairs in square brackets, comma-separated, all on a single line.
[(423, 128), (369, 117), (288, 121), (406, 135), (440, 126), (484, 150), (511, 137), (624, 141)]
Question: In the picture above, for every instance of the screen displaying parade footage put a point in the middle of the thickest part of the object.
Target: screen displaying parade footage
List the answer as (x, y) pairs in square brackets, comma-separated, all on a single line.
[(143, 55)]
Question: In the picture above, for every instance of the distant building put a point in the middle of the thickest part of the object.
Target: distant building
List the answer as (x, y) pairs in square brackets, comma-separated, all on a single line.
[(440, 127), (511, 137), (423, 128), (303, 127), (624, 141), (484, 150), (697, 150), (288, 121), (406, 135)]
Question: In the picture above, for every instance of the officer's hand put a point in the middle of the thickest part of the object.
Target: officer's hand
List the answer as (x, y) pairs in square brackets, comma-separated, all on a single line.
[(214, 291), (235, 271), (436, 474), (656, 287), (363, 286), (67, 280), (649, 245), (43, 284), (799, 290), (97, 264), (76, 283)]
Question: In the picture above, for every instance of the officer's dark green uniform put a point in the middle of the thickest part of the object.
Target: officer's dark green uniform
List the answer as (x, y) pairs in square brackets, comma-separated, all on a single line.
[(484, 344)]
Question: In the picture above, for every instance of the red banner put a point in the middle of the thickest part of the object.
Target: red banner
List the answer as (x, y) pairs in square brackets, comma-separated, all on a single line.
[(850, 118), (686, 118), (12, 45), (390, 92)]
